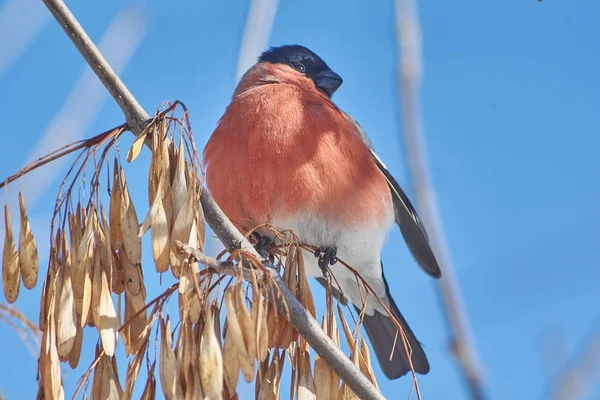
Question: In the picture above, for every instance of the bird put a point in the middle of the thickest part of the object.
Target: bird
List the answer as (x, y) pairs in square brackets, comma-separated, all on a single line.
[(285, 154)]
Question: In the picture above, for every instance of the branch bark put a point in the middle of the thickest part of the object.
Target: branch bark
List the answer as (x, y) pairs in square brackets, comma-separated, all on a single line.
[(461, 342), (137, 118)]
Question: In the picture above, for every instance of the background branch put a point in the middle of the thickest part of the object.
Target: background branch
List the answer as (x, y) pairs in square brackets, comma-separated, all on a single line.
[(580, 376), (409, 42), (136, 118)]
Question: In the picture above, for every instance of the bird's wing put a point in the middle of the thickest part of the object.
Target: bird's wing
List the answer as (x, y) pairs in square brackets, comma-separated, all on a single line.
[(407, 218)]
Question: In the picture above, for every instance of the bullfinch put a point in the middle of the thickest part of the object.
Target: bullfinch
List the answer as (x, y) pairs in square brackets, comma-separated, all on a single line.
[(284, 153)]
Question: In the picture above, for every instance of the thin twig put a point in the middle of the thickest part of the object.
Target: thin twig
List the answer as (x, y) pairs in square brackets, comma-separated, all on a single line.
[(409, 41), (136, 118), (578, 379)]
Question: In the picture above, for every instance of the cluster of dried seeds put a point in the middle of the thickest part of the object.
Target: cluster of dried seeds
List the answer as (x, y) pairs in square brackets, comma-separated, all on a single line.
[(95, 279)]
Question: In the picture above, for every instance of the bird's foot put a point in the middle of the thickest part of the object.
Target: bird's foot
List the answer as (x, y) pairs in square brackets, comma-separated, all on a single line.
[(327, 256), (261, 244)]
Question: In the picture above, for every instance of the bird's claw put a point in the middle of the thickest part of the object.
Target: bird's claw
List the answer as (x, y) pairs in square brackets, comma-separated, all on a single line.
[(327, 256), (261, 244)]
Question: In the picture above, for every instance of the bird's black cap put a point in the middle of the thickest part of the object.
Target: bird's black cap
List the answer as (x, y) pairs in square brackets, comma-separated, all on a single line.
[(307, 62)]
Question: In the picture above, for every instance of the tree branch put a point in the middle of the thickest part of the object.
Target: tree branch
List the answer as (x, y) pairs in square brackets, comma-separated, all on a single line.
[(136, 118), (409, 42)]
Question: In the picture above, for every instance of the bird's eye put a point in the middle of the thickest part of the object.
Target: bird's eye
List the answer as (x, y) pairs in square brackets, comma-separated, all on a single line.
[(299, 67)]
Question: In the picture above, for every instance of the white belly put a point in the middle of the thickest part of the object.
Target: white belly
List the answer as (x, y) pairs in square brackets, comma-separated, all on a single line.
[(359, 248)]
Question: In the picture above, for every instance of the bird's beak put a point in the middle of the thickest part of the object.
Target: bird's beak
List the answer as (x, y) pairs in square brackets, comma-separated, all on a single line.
[(328, 82)]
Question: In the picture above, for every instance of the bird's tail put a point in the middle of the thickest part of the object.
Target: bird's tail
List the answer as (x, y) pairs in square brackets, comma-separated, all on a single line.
[(382, 334)]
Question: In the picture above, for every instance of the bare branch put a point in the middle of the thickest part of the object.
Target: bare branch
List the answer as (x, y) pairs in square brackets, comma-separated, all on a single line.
[(409, 41), (288, 305), (580, 376), (136, 118)]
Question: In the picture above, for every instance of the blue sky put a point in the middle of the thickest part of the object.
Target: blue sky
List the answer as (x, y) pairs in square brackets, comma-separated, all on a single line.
[(510, 101)]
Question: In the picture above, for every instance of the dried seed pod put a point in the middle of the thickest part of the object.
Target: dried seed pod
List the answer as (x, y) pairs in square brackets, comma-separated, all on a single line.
[(76, 348), (11, 277), (323, 379), (49, 364), (149, 392), (306, 384), (345, 392), (114, 212), (179, 185), (96, 289), (183, 229), (66, 317), (288, 333), (157, 219), (138, 144), (85, 266), (269, 387), (211, 361), (107, 322), (259, 319), (132, 244), (28, 254), (365, 362), (118, 275), (169, 378), (304, 292), (231, 364), (77, 269), (235, 330), (136, 323), (248, 331)]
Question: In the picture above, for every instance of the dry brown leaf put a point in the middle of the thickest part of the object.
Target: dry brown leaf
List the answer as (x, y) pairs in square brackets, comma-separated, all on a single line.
[(169, 378), (211, 360), (11, 277), (28, 254), (132, 244)]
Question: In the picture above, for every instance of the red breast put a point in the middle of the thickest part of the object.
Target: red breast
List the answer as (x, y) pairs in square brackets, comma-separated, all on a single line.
[(282, 147)]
